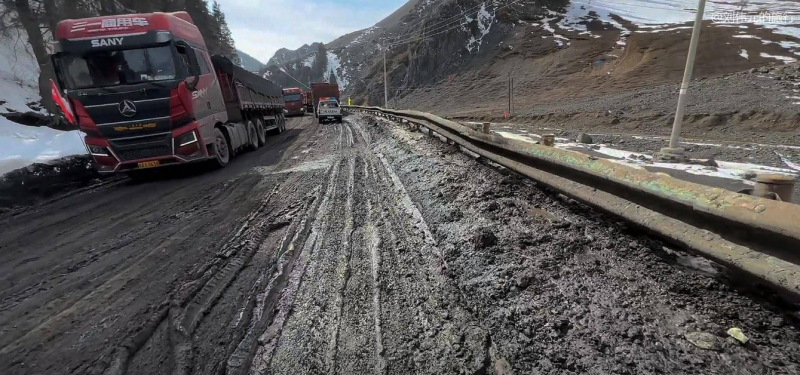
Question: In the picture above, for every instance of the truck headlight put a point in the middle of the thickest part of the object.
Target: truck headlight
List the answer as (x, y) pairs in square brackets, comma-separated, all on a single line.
[(98, 151), (186, 139)]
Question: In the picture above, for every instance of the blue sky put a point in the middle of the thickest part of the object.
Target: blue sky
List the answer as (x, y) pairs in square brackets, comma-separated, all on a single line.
[(261, 27)]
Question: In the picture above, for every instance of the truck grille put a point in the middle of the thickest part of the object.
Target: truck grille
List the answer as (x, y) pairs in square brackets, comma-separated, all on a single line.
[(143, 153), (144, 147)]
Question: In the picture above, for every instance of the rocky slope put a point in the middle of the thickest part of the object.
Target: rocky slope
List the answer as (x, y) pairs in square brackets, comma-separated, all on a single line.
[(249, 62), (567, 58)]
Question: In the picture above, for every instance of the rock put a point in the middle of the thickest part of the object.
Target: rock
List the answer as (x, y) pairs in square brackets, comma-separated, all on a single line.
[(632, 156), (754, 70), (710, 163), (484, 238), (738, 335), (777, 322), (749, 175), (492, 206), (584, 138), (615, 121), (703, 340), (523, 279), (642, 157)]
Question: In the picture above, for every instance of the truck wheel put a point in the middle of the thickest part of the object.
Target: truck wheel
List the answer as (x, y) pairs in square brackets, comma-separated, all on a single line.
[(221, 148), (252, 135), (262, 134), (339, 119)]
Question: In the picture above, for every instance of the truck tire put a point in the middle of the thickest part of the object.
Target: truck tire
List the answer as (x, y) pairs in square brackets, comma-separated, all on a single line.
[(339, 119), (222, 149), (262, 133), (252, 136)]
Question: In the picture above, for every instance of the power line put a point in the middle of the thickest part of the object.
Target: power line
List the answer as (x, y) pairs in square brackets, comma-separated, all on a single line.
[(290, 76), (445, 28), (418, 24)]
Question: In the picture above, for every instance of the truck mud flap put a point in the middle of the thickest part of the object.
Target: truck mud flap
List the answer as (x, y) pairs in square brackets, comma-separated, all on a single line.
[(237, 133)]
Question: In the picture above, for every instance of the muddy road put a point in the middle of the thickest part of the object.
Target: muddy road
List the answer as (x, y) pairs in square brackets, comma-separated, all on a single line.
[(362, 248)]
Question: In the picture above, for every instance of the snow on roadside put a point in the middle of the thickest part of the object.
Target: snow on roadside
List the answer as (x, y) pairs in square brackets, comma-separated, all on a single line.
[(727, 170), (24, 145)]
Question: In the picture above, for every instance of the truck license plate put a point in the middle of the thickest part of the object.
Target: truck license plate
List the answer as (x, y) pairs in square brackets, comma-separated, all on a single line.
[(149, 164)]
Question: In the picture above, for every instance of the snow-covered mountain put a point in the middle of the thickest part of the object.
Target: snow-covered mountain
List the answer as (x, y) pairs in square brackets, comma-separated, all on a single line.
[(439, 41)]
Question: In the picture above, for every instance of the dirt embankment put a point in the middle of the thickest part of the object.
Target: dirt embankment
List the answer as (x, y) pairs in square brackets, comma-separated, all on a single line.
[(629, 83), (37, 182)]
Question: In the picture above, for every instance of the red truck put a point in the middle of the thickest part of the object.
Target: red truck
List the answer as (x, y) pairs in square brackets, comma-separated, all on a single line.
[(147, 94), (308, 103), (294, 102), (322, 90)]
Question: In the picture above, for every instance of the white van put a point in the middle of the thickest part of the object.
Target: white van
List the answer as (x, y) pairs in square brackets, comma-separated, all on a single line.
[(328, 109)]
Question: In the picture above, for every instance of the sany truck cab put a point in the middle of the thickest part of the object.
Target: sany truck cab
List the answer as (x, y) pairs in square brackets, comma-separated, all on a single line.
[(294, 101), (146, 93)]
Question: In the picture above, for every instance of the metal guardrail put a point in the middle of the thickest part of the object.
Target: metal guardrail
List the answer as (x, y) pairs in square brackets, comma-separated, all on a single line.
[(758, 236)]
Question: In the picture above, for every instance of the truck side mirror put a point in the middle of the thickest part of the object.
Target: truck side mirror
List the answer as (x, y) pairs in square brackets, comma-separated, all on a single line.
[(194, 67)]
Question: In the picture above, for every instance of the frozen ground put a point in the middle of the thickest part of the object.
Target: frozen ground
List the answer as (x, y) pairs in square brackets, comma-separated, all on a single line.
[(362, 248), (736, 163)]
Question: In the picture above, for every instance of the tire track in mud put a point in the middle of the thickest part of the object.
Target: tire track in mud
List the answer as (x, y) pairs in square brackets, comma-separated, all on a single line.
[(279, 290), (373, 243), (213, 278), (113, 280), (182, 312), (262, 359), (343, 267)]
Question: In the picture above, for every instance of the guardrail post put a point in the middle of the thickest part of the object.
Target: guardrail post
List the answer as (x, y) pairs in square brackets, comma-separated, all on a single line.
[(486, 128), (549, 140)]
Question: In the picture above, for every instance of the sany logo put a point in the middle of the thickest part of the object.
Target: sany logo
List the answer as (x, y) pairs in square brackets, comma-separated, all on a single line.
[(199, 93), (107, 42)]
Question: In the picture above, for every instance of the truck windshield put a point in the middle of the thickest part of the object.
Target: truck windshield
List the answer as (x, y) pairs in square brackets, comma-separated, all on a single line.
[(109, 68), (291, 97), (329, 104)]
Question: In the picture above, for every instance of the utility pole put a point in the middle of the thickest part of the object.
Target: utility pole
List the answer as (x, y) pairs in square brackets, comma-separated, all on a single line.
[(509, 94), (673, 151), (385, 82)]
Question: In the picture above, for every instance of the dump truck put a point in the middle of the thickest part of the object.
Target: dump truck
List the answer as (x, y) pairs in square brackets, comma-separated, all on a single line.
[(320, 90), (146, 93), (308, 102), (293, 97)]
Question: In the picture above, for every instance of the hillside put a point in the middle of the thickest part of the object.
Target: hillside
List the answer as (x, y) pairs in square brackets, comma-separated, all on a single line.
[(566, 58), (249, 62)]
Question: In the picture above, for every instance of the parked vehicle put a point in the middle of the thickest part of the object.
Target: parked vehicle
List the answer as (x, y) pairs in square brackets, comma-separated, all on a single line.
[(329, 110), (308, 101), (294, 102), (323, 90), (147, 94)]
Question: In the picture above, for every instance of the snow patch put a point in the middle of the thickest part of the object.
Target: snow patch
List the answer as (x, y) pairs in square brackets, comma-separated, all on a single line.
[(785, 59), (743, 53), (484, 20), (338, 69), (23, 145)]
